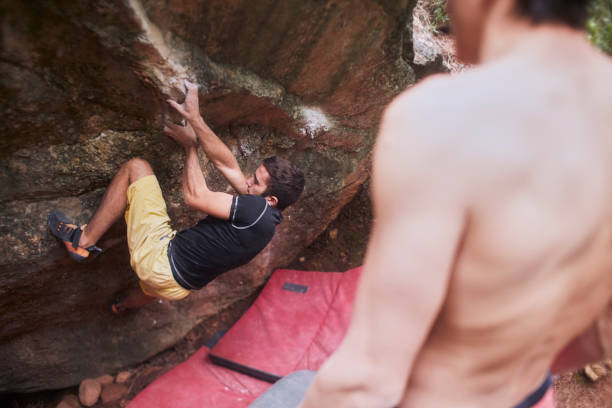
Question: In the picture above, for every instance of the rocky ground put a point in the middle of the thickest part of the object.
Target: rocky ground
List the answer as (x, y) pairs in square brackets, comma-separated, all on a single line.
[(575, 390)]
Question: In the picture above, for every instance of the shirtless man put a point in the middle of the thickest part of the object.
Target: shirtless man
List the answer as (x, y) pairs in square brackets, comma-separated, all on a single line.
[(169, 264), (492, 246)]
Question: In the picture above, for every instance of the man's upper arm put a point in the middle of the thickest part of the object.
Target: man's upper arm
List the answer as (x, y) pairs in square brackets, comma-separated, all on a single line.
[(213, 203), (247, 210), (419, 221), (235, 177)]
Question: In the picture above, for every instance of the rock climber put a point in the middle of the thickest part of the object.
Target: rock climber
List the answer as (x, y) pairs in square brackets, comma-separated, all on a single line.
[(170, 265), (491, 253)]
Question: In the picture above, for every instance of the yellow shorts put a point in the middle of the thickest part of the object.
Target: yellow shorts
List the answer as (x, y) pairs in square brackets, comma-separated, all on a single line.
[(148, 236)]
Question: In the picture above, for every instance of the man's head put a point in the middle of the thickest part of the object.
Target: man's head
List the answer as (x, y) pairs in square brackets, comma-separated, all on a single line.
[(569, 12), (470, 17), (280, 181)]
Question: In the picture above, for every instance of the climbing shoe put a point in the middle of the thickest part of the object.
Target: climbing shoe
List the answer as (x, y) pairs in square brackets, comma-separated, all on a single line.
[(115, 308), (63, 229)]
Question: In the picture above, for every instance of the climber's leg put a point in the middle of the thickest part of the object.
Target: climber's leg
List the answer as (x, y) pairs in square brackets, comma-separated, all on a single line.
[(135, 299), (114, 200), (148, 237)]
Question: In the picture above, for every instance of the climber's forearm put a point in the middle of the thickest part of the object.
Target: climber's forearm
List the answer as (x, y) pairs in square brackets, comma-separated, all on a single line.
[(197, 194), (215, 149), (219, 154), (194, 183)]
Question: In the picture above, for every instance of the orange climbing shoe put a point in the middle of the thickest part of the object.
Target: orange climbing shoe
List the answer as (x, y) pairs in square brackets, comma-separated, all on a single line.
[(115, 308), (63, 229)]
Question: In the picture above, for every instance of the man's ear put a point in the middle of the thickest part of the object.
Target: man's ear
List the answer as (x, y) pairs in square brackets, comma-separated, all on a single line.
[(272, 200)]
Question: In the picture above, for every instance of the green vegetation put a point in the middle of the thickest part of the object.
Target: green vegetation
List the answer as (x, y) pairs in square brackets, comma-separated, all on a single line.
[(599, 24), (439, 16)]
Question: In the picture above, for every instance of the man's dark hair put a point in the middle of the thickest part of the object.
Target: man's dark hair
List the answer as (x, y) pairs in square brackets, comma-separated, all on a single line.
[(569, 12), (286, 181)]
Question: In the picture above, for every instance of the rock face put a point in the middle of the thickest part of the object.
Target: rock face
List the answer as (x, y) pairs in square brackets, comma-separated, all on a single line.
[(83, 87)]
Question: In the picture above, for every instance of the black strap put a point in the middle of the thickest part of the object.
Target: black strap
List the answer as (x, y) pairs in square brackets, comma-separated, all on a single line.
[(243, 369), (76, 237), (537, 395)]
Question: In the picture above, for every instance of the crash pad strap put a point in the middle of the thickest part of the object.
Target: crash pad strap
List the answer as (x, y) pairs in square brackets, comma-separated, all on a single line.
[(244, 369), (295, 287)]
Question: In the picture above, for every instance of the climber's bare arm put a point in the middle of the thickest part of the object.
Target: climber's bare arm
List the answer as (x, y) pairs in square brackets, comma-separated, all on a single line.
[(216, 151), (593, 345), (197, 194), (183, 135), (419, 220), (195, 190)]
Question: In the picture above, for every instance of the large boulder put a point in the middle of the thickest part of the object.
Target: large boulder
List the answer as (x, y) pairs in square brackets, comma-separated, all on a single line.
[(83, 85)]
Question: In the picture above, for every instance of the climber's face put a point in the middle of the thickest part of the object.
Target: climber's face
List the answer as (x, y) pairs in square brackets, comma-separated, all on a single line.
[(257, 184)]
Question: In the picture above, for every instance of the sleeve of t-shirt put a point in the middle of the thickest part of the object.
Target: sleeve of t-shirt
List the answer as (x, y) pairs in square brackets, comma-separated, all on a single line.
[(247, 210)]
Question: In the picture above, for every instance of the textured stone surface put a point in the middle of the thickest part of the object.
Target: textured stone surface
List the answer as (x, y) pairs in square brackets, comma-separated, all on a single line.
[(123, 377), (113, 392), (105, 379), (89, 392), (69, 401), (83, 85)]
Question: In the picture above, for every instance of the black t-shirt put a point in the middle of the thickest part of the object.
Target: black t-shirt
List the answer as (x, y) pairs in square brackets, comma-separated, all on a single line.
[(201, 253)]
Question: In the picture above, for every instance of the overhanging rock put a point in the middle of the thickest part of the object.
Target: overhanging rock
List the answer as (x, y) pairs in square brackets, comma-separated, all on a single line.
[(84, 85)]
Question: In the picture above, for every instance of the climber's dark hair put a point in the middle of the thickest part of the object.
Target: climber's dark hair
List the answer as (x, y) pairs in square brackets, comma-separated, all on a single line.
[(569, 12), (286, 181)]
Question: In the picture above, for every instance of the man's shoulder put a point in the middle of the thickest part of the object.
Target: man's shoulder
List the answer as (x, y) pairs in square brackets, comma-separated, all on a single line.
[(248, 210), (431, 105), (453, 95), (444, 128), (425, 119), (250, 197), (464, 109), (249, 200)]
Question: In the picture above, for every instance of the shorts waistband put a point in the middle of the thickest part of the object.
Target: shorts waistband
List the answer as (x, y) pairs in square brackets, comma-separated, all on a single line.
[(175, 272), (535, 397)]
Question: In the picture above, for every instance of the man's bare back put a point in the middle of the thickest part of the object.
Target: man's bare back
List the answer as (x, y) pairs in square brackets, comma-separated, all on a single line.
[(492, 246), (533, 168)]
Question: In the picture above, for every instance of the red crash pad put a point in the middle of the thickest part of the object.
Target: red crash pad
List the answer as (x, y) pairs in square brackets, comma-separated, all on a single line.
[(296, 322), (198, 383)]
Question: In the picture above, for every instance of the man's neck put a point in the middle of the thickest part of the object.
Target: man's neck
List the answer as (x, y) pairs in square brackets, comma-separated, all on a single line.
[(505, 35)]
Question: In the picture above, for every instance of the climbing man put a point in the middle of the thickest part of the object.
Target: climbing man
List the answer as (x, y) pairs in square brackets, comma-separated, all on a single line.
[(170, 265), (492, 246)]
